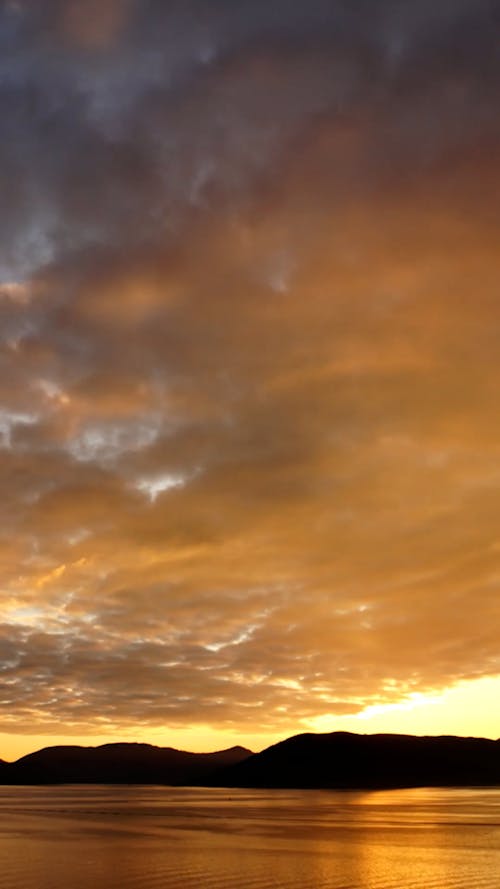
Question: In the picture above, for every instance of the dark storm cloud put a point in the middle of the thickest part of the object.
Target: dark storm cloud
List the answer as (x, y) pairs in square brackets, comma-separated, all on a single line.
[(249, 357)]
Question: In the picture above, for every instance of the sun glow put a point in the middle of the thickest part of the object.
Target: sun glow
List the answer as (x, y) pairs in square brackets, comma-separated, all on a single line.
[(469, 708)]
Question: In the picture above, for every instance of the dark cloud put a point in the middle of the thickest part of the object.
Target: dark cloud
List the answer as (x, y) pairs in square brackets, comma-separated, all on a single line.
[(248, 361)]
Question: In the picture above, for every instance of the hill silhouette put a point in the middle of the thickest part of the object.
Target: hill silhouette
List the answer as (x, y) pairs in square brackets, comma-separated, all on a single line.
[(345, 760), (119, 763), (337, 760)]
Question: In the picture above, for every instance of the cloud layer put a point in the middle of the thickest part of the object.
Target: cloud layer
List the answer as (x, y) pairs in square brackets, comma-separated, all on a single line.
[(249, 375)]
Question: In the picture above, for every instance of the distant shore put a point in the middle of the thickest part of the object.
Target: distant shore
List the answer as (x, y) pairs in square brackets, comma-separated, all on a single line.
[(338, 760)]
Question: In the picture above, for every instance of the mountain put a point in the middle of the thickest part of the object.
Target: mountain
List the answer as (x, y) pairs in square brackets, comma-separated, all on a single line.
[(345, 760), (118, 764), (336, 760)]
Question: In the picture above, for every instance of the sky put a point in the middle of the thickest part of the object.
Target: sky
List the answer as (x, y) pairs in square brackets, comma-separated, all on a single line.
[(249, 370)]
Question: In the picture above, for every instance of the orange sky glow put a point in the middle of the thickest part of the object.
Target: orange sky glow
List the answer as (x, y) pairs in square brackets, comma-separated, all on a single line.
[(249, 321)]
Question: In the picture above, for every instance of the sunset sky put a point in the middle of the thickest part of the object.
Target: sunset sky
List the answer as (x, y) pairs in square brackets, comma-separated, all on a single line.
[(249, 369)]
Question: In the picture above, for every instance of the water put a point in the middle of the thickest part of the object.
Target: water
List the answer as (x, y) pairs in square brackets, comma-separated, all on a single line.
[(185, 838)]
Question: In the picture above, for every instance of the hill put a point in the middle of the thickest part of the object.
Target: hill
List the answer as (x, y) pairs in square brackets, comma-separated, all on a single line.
[(118, 764), (345, 760), (337, 760)]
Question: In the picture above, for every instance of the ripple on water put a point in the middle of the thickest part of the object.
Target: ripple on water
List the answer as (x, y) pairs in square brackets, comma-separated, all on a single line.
[(184, 838)]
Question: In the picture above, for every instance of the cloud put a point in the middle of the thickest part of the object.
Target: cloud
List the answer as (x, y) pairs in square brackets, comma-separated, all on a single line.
[(97, 26), (249, 360)]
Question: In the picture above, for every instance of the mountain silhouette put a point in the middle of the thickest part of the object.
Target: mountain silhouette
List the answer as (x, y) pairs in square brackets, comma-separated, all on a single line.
[(345, 760), (337, 760), (119, 763)]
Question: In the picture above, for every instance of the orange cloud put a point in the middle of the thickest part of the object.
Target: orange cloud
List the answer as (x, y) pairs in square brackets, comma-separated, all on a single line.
[(248, 420)]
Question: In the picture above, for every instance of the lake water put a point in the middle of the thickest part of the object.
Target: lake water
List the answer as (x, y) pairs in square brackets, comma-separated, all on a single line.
[(185, 838)]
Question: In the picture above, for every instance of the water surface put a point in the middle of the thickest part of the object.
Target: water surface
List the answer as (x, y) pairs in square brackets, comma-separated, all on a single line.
[(72, 837)]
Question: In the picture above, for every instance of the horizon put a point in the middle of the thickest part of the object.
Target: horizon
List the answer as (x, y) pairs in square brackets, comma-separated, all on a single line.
[(249, 321), (202, 752)]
